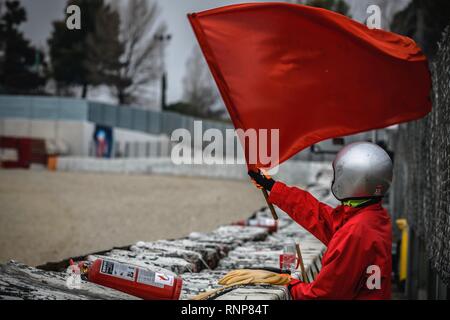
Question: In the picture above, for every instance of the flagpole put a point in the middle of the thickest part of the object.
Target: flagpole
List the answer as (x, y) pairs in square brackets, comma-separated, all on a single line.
[(302, 266), (272, 209)]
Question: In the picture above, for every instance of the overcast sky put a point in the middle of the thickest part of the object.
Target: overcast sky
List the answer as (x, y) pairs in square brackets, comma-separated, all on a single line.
[(41, 13)]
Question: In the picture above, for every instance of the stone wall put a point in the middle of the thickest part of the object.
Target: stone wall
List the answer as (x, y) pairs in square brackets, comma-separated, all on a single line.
[(201, 259)]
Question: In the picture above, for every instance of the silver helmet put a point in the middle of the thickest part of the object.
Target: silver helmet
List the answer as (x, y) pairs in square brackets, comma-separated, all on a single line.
[(361, 170)]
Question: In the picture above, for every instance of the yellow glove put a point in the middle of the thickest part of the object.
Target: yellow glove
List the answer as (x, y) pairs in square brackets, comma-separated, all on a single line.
[(245, 276), (249, 276)]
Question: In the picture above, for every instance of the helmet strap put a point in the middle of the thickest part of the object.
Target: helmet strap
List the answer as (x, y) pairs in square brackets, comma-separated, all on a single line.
[(360, 202)]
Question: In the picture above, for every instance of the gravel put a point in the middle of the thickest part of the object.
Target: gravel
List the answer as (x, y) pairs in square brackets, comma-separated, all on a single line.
[(48, 216)]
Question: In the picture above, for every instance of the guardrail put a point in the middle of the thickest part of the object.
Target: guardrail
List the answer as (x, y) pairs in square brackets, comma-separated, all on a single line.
[(126, 117), (50, 108)]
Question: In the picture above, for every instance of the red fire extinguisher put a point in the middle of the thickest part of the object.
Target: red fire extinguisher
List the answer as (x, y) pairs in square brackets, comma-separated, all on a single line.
[(137, 281)]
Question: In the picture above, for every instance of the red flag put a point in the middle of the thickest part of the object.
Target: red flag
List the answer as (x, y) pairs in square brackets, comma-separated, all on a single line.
[(311, 73)]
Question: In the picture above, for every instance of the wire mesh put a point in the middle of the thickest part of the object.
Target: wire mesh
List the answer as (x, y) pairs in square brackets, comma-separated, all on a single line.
[(421, 183)]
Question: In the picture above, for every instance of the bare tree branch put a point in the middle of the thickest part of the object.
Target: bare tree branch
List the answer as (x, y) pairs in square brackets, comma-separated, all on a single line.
[(200, 90), (141, 61)]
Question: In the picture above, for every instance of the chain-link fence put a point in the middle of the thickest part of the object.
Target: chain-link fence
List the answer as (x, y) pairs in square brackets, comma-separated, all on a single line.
[(422, 169)]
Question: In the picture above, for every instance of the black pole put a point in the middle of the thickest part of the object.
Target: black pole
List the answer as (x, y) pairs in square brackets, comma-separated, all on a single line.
[(163, 90), (163, 39)]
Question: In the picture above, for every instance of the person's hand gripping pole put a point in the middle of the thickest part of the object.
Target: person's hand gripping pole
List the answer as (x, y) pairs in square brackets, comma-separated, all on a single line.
[(264, 182)]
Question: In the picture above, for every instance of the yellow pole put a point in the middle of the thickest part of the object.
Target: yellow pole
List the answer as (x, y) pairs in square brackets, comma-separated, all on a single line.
[(402, 225)]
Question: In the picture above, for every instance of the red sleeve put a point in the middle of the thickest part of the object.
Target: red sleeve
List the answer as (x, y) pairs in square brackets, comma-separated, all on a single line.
[(343, 269), (306, 210)]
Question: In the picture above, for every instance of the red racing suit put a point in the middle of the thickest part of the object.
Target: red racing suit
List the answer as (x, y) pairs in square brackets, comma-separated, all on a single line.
[(356, 238)]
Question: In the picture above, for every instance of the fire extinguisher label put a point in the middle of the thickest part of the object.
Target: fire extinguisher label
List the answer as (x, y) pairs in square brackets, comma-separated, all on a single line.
[(118, 270), (147, 277), (156, 279)]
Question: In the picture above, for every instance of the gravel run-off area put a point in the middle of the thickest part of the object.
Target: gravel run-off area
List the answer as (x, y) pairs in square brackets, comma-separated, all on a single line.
[(48, 216)]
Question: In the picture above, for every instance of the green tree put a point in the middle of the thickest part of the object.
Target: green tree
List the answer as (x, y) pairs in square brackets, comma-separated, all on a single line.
[(104, 50), (424, 21), (116, 47), (22, 68), (69, 48)]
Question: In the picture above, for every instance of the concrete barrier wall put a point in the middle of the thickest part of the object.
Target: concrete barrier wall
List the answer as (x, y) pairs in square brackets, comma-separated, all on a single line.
[(123, 117), (137, 132), (50, 117), (292, 172)]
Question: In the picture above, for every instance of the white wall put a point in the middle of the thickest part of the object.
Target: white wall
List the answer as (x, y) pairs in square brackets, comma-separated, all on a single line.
[(74, 134), (77, 135)]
